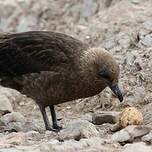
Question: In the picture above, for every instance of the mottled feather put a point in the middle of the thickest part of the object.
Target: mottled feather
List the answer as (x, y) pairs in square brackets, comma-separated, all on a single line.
[(36, 51)]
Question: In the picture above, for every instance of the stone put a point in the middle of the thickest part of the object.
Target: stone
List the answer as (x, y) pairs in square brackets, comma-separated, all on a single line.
[(140, 94), (89, 8), (8, 98), (13, 117), (147, 138), (30, 135), (87, 116), (26, 24), (11, 94), (147, 25), (12, 122), (121, 136), (10, 150), (77, 130), (147, 40), (115, 127), (17, 122), (135, 1), (25, 127), (109, 44), (93, 144), (129, 58), (108, 3), (139, 146), (21, 149), (129, 133), (15, 138), (123, 40), (5, 105), (138, 63), (147, 113), (12, 139), (105, 117)]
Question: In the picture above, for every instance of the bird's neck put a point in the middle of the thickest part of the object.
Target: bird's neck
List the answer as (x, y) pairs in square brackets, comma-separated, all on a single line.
[(88, 74)]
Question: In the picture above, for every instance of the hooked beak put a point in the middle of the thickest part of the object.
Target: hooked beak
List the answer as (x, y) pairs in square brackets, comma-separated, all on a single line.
[(117, 92)]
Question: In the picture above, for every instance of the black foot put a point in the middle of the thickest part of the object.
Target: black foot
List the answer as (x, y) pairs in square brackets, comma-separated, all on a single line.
[(54, 129), (57, 127)]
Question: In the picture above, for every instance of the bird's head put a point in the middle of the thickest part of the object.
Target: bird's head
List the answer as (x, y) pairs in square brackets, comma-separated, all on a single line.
[(102, 66)]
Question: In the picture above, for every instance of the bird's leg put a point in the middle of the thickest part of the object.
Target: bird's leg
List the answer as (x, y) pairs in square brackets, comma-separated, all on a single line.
[(54, 119), (45, 117), (46, 120)]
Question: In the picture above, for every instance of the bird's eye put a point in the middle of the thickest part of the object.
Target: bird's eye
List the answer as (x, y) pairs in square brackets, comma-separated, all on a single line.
[(104, 73)]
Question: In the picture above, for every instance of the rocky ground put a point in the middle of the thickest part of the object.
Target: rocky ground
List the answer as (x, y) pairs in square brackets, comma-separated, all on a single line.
[(124, 27)]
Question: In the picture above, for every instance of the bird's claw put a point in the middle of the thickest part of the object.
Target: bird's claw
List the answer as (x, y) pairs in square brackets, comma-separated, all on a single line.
[(56, 127)]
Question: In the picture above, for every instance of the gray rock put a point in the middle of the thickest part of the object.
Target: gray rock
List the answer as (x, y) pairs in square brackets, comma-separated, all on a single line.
[(123, 40), (129, 58), (8, 98), (148, 25), (105, 117), (138, 63), (136, 96), (140, 147), (121, 136), (89, 8), (6, 6), (78, 129), (87, 116), (17, 122), (8, 20), (94, 144), (32, 135), (147, 40), (116, 127), (5, 105), (14, 138), (147, 114), (12, 121), (10, 150), (26, 23), (11, 94), (147, 138), (1, 135), (108, 3), (13, 117), (109, 42), (135, 1), (139, 94), (25, 127), (116, 41), (129, 133), (21, 149)]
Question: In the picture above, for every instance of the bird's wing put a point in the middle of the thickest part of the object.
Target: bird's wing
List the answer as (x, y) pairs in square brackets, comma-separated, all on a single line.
[(32, 52)]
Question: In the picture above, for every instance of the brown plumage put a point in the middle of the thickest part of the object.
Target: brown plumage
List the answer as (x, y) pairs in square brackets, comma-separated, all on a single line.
[(53, 68)]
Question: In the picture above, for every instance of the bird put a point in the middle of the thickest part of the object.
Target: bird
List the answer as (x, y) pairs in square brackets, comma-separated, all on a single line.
[(52, 68)]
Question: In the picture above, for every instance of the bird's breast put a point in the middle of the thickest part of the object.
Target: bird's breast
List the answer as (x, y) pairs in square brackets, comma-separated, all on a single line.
[(49, 88)]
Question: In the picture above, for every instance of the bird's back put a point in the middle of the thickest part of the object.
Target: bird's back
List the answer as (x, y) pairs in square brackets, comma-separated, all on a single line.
[(36, 51), (29, 53)]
